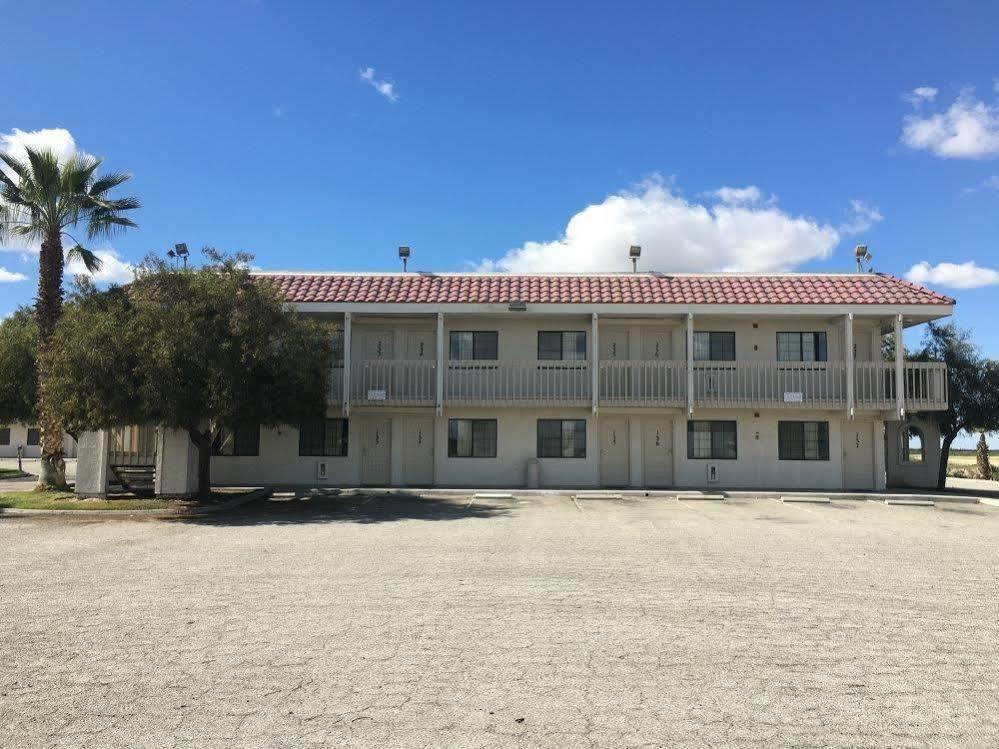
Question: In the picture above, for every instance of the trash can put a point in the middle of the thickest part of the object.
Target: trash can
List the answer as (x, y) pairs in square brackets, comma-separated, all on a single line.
[(533, 473)]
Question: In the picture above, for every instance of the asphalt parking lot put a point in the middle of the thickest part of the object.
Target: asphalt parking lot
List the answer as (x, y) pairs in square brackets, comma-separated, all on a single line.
[(447, 621)]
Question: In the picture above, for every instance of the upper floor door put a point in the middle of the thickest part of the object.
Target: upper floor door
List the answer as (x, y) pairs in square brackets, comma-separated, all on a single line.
[(657, 344), (614, 345), (420, 345), (378, 344)]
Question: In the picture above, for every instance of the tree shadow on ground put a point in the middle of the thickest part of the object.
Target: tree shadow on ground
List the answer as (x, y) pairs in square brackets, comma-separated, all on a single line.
[(304, 507)]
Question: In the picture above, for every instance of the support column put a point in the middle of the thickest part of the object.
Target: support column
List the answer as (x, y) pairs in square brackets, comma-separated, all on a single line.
[(176, 464), (848, 343), (636, 462), (346, 363), (899, 368), (397, 444), (595, 360), (440, 363), (690, 364)]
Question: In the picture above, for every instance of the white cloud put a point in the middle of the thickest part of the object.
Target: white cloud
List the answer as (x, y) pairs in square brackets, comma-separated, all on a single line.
[(967, 275), (680, 234), (385, 88), (113, 268), (992, 183), (968, 129), (920, 95), (862, 218), (7, 276)]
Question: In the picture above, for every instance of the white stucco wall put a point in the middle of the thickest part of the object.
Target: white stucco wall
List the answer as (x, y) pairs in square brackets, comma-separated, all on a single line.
[(19, 436), (922, 475)]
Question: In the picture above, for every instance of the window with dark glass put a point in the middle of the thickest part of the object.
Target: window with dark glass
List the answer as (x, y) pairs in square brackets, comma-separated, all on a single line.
[(4, 435), (236, 442), (562, 345), (803, 440), (561, 438), (466, 345), (471, 438), (796, 346), (323, 438), (34, 437), (714, 346), (713, 440)]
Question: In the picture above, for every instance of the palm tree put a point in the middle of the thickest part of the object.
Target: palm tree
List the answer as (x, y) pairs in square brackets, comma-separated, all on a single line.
[(42, 200)]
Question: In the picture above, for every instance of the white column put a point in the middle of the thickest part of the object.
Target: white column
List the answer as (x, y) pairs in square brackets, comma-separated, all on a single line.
[(595, 360), (899, 368), (346, 363), (636, 461), (92, 464), (176, 464), (690, 363), (440, 363), (848, 343)]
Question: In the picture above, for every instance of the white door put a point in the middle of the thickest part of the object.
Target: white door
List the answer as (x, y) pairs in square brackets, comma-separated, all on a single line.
[(614, 344), (615, 375), (657, 451), (375, 380), (653, 381), (420, 345), (657, 343), (858, 455), (614, 451), (376, 451), (418, 451)]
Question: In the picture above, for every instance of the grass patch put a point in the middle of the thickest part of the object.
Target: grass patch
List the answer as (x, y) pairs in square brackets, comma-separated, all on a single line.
[(68, 501), (11, 473)]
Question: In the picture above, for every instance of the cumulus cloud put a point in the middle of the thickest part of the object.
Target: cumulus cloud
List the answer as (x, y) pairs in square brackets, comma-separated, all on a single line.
[(7, 276), (920, 95), (967, 275), (862, 217), (113, 268), (385, 88), (967, 129), (731, 231)]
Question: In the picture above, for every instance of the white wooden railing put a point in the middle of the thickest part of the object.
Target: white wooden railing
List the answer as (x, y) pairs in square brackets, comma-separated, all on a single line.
[(533, 382), (924, 385), (393, 382), (643, 383), (132, 446), (770, 383)]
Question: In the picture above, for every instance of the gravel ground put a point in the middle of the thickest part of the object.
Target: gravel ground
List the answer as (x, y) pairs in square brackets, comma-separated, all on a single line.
[(439, 622)]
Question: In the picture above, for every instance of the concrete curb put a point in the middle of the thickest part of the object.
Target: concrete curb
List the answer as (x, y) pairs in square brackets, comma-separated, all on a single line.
[(165, 514)]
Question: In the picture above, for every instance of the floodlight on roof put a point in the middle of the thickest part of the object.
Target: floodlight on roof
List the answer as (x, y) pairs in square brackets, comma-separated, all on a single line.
[(634, 252), (862, 255), (404, 256)]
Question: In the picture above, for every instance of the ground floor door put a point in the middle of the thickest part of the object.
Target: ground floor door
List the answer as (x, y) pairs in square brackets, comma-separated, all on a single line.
[(418, 451), (657, 451), (376, 451), (858, 455), (614, 451)]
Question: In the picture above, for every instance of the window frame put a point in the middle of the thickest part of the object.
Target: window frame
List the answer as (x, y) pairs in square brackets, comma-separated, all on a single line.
[(823, 451), (452, 449), (817, 347), (578, 454), (562, 346), (237, 442), (4, 436), (473, 333), (718, 427), (711, 348), (37, 432), (331, 448)]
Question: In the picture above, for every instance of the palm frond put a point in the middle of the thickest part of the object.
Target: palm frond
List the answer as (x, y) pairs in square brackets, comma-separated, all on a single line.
[(15, 165), (107, 182), (107, 224), (90, 261), (45, 170)]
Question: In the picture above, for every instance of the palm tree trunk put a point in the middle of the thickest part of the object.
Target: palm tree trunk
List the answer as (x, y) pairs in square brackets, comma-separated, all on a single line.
[(48, 308)]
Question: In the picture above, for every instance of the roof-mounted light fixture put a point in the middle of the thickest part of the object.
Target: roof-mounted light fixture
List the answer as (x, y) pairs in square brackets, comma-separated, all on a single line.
[(404, 256), (862, 255), (634, 252), (179, 251)]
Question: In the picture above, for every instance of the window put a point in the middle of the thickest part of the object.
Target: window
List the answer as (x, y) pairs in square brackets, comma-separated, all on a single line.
[(4, 435), (715, 440), (912, 445), (714, 346), (559, 438), (323, 437), (241, 441), (562, 345), (34, 437), (474, 344), (471, 438), (803, 440), (802, 347)]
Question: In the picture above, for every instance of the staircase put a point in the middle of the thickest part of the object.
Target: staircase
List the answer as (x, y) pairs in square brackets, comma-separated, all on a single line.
[(138, 479)]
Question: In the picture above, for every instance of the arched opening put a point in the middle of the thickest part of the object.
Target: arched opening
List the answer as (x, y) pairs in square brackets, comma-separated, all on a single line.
[(913, 445)]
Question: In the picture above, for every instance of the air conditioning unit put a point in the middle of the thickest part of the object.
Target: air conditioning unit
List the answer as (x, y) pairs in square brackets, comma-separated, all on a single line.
[(321, 473), (712, 473)]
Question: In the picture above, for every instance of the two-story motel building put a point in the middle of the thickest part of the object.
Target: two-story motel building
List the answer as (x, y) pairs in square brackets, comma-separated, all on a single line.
[(609, 380)]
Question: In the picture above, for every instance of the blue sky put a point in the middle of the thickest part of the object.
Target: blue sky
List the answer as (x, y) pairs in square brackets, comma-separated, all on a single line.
[(531, 135)]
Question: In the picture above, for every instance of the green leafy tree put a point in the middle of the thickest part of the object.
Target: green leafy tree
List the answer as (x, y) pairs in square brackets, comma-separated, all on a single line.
[(973, 387), (982, 458), (200, 350), (43, 199), (18, 367)]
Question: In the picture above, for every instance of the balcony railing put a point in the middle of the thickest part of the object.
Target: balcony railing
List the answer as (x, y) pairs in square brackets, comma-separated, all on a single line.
[(657, 383), (536, 383)]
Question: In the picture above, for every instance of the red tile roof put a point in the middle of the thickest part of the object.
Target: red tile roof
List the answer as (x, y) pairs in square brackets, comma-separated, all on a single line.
[(624, 288)]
